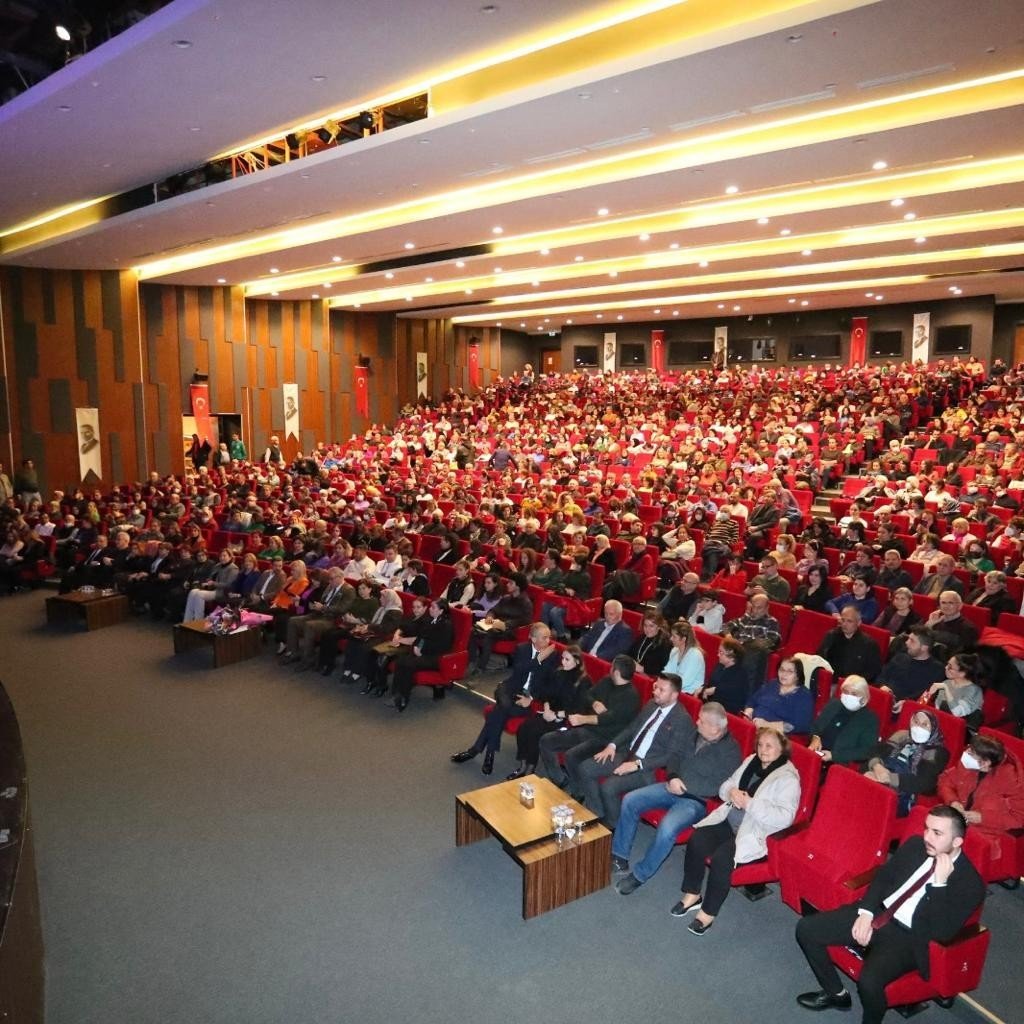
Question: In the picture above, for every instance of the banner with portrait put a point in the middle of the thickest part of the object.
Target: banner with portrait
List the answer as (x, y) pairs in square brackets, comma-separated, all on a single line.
[(90, 451), (720, 351), (610, 352), (920, 340), (421, 374), (290, 395)]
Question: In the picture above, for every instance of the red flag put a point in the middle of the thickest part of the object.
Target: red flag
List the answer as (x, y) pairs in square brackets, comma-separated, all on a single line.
[(362, 391), (201, 410), (858, 340), (474, 365), (658, 351)]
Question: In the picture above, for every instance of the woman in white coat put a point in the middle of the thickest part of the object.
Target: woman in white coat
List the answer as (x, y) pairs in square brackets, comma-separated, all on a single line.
[(761, 797)]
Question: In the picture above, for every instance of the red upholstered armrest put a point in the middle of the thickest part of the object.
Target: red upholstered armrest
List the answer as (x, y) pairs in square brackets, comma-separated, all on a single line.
[(861, 881), (956, 965)]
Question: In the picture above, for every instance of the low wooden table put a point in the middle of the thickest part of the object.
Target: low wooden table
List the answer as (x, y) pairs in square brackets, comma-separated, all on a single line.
[(228, 648), (94, 608), (554, 873)]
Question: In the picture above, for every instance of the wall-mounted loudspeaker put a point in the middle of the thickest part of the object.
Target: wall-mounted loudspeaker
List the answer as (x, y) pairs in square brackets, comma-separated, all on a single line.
[(364, 361)]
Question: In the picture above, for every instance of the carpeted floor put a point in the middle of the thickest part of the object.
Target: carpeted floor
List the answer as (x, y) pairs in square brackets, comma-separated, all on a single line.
[(256, 846)]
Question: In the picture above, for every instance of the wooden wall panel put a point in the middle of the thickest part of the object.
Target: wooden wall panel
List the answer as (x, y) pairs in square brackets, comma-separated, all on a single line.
[(447, 349), (70, 340)]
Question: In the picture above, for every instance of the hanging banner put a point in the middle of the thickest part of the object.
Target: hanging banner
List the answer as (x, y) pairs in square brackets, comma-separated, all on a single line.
[(90, 452), (201, 410), (658, 351), (362, 386), (610, 349), (474, 364), (421, 374), (920, 345), (858, 341), (291, 410), (720, 352)]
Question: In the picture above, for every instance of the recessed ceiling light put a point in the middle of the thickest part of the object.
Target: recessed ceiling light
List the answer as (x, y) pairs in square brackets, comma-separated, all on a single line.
[(804, 302), (274, 270), (577, 259), (497, 323), (600, 316), (869, 295), (319, 78), (613, 273), (535, 284), (910, 216), (64, 108), (497, 230), (763, 220), (547, 319), (326, 284), (275, 294), (791, 301), (794, 38), (896, 202), (619, 317), (335, 259), (222, 280), (674, 245), (315, 295), (489, 9), (675, 312), (735, 309), (428, 280), (878, 298), (879, 165), (568, 321), (703, 263), (356, 305), (194, 128), (522, 324), (952, 287), (645, 237), (469, 291), (920, 240), (497, 270), (423, 142), (657, 311), (182, 44), (62, 33), (408, 298), (721, 305), (583, 95), (731, 190), (806, 252), (410, 245), (460, 263), (785, 231), (603, 212), (389, 275), (544, 252)]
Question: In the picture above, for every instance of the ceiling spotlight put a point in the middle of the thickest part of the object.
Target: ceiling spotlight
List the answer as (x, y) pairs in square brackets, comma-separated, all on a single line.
[(910, 216), (600, 316), (469, 291), (675, 312), (274, 270), (577, 259), (181, 44), (731, 190), (674, 245), (568, 321), (791, 301), (389, 275), (896, 202), (410, 245), (785, 231), (952, 288), (274, 294), (657, 311), (318, 78), (879, 165), (356, 305), (804, 302), (335, 259), (547, 319), (920, 240), (763, 220), (806, 252), (326, 284), (428, 280), (645, 237), (497, 270), (222, 280), (62, 34), (544, 252), (522, 323), (603, 212), (408, 298), (703, 263), (315, 296), (613, 273), (535, 284), (721, 305), (619, 317), (497, 230), (460, 263), (735, 309), (497, 323), (878, 298), (869, 295)]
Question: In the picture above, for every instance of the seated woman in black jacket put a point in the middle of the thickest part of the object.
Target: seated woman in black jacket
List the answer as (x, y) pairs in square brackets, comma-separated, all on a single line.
[(568, 685), (815, 593), (436, 637), (399, 642), (729, 683), (911, 760), (652, 647), (359, 655)]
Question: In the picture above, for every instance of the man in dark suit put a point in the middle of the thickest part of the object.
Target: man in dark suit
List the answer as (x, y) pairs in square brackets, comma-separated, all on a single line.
[(926, 892), (269, 582), (630, 760), (609, 636), (304, 631)]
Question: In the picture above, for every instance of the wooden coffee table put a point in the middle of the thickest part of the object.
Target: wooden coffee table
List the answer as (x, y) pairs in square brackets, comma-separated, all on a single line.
[(228, 648), (94, 608), (554, 873)]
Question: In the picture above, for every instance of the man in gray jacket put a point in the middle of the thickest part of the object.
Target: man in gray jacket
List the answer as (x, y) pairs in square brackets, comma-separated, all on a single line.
[(694, 777), (659, 734)]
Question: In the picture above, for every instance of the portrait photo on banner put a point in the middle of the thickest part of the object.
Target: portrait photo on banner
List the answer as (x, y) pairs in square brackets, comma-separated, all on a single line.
[(421, 374), (290, 393), (90, 451), (920, 344)]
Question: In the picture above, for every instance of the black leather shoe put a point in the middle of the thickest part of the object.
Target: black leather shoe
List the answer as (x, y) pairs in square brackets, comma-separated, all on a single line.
[(464, 755), (620, 865), (698, 927), (379, 691), (439, 693), (401, 703), (821, 1000), (367, 687), (488, 766), (517, 774)]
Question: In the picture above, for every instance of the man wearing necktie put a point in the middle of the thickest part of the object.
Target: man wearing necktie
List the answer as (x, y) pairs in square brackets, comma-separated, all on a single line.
[(630, 760), (304, 631), (926, 892)]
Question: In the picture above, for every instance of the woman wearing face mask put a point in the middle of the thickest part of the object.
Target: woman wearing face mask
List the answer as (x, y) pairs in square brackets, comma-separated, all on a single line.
[(847, 729), (911, 760), (785, 551), (987, 786), (958, 693), (975, 557)]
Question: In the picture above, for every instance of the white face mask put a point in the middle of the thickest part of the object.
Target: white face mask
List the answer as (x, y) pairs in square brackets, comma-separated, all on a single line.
[(781, 548), (850, 701), (919, 734), (969, 761)]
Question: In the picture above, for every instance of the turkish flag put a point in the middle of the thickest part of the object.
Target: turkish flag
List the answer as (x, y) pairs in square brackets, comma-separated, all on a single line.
[(858, 340), (474, 365), (658, 351), (201, 410), (362, 385)]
